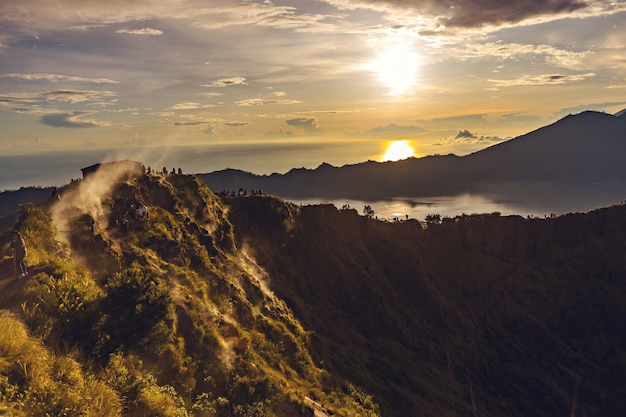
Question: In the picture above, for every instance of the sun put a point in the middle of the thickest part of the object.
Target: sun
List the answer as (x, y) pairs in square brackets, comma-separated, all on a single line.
[(396, 67), (397, 150)]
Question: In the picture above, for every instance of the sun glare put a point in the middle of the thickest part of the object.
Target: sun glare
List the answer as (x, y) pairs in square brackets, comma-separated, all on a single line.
[(397, 150), (397, 67)]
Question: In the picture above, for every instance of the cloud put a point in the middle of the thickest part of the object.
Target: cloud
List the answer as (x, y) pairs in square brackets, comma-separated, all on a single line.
[(544, 79), (395, 129), (557, 56), (189, 106), (263, 102), (210, 130), (55, 78), (226, 82), (468, 138), (263, 14), (144, 31), (76, 96), (491, 139), (31, 102), (465, 134), (67, 120), (309, 124), (462, 119), (188, 123), (236, 124), (84, 15), (432, 16)]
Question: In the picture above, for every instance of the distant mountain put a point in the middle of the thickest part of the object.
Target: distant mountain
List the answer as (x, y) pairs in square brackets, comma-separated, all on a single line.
[(584, 148)]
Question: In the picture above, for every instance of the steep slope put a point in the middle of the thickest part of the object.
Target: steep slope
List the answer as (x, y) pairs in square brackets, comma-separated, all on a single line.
[(581, 148), (478, 316), (162, 317)]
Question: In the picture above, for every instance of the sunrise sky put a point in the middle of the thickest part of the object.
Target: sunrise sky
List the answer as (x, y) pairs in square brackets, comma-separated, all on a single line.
[(445, 76)]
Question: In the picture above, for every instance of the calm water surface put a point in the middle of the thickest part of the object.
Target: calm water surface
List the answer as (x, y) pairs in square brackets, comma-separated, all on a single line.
[(537, 201)]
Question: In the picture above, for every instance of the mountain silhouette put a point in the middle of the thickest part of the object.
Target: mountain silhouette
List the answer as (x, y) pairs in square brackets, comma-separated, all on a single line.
[(578, 150)]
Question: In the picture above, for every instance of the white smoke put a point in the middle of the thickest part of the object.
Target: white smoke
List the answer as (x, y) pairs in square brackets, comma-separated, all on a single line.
[(87, 195)]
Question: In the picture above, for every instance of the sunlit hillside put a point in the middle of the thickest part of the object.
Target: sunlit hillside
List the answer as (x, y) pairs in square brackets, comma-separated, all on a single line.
[(166, 318), (253, 306)]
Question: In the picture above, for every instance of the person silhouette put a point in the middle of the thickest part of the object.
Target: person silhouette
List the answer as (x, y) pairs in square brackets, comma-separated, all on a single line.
[(19, 248)]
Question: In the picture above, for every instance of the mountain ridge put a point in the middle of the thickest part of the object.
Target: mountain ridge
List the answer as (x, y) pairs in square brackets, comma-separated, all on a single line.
[(578, 149)]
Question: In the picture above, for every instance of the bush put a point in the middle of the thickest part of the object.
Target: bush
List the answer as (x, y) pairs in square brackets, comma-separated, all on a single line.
[(134, 304), (65, 310)]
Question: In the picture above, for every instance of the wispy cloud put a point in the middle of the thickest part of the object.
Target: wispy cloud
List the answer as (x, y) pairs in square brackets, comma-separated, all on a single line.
[(197, 123), (55, 78), (263, 14), (544, 79), (144, 31), (77, 96), (263, 102), (225, 82), (92, 97), (556, 56), (189, 106)]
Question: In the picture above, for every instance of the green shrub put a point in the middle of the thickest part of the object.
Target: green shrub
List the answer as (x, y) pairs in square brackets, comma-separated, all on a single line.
[(134, 304), (142, 395), (64, 311)]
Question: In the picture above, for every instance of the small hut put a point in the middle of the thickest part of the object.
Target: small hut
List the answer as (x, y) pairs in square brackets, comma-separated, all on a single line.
[(132, 167)]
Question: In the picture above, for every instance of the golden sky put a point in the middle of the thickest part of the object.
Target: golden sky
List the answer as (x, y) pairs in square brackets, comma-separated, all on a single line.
[(447, 76)]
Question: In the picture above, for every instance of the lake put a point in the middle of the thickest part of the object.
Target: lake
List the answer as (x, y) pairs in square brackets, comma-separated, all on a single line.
[(538, 200)]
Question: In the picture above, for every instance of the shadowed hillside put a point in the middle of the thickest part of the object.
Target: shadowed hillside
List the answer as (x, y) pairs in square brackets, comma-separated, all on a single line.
[(480, 315), (252, 306)]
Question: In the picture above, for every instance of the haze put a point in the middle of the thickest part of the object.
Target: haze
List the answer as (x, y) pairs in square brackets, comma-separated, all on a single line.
[(445, 76)]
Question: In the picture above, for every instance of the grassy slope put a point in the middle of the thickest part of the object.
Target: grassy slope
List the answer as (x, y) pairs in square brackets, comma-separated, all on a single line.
[(167, 319), (485, 315)]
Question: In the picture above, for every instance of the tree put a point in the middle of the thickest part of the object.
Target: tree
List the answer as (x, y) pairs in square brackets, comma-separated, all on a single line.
[(368, 211), (433, 218)]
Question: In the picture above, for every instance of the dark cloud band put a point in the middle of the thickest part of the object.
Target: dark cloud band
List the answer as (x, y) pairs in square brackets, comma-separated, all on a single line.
[(471, 13)]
